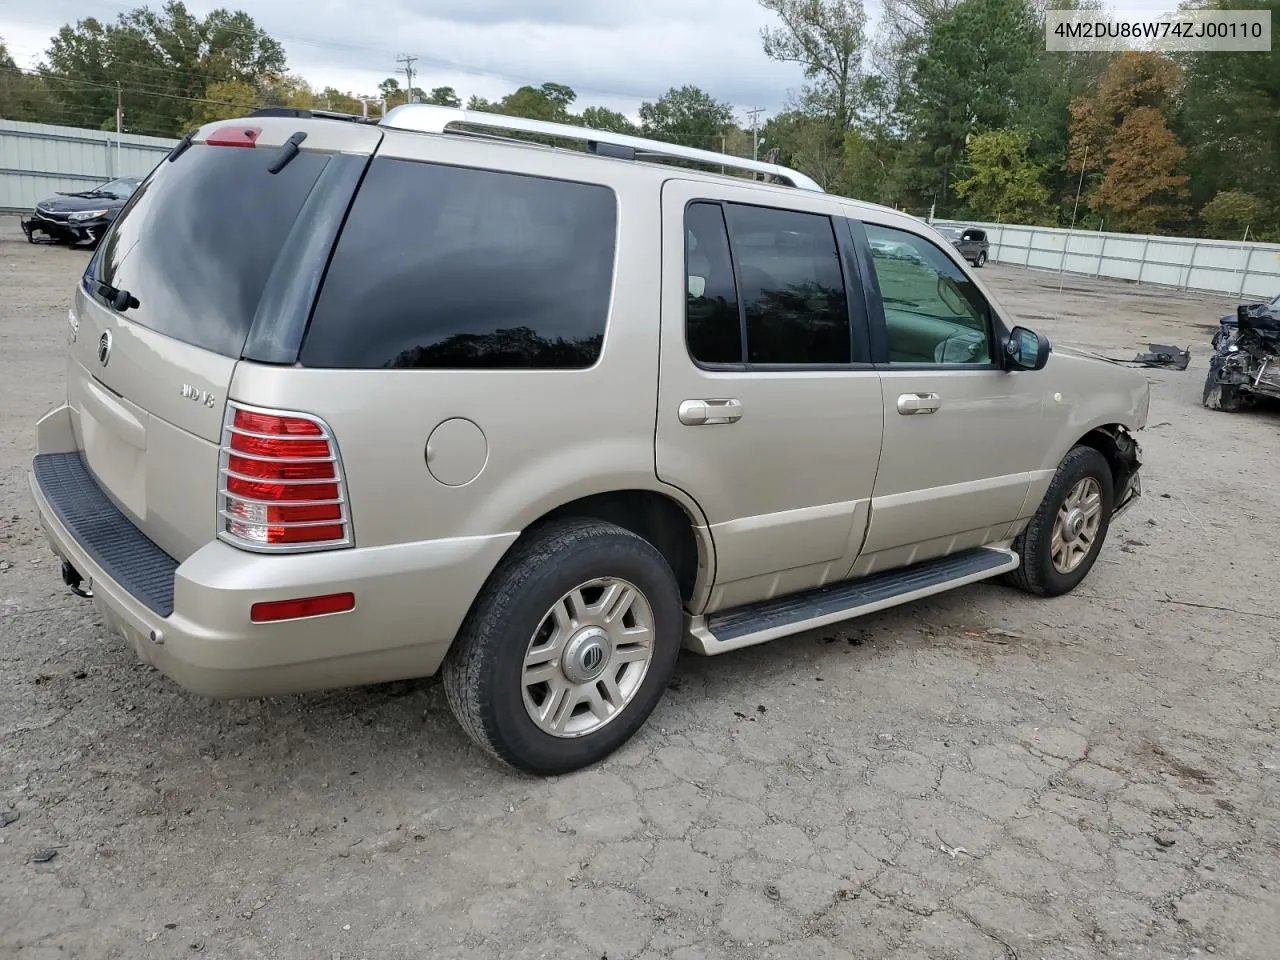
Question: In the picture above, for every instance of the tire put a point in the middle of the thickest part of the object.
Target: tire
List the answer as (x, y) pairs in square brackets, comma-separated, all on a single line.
[(1038, 573), (485, 676), (982, 259), (1220, 396)]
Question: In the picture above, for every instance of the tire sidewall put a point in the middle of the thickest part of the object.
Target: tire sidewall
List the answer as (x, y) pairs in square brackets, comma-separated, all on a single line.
[(1082, 462), (508, 723)]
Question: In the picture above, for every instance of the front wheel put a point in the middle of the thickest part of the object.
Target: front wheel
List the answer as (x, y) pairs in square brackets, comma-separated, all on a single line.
[(1061, 543), (568, 648), (982, 259)]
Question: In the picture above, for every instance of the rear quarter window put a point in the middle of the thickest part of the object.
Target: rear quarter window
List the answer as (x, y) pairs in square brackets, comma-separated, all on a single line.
[(452, 267)]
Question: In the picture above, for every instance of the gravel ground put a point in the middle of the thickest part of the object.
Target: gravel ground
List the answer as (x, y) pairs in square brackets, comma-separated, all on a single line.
[(981, 775)]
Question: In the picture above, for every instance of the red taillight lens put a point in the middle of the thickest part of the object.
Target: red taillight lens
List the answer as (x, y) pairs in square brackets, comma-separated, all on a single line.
[(273, 610), (282, 484)]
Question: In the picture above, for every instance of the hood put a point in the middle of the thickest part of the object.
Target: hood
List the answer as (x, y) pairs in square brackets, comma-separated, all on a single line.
[(68, 203)]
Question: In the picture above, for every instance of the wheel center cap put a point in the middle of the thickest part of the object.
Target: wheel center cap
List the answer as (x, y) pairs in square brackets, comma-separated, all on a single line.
[(586, 654), (1074, 524)]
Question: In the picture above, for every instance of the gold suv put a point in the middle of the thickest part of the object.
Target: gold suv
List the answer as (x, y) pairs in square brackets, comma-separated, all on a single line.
[(351, 402)]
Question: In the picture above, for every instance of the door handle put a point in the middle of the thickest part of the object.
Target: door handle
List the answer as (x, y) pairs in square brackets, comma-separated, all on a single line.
[(706, 413), (910, 404)]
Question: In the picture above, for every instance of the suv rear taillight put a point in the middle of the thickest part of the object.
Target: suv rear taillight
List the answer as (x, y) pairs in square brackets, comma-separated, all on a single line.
[(281, 487)]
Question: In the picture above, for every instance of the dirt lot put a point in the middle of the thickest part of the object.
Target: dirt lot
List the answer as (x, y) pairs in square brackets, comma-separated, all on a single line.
[(982, 775)]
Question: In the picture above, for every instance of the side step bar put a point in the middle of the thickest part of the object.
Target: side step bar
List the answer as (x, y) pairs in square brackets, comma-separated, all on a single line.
[(760, 622)]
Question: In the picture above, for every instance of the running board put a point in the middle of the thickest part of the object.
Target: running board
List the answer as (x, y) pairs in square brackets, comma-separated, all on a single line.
[(770, 619)]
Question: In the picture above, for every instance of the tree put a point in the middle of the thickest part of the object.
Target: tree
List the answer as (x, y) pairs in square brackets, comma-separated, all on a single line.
[(444, 97), (1228, 120), (1132, 81), (1003, 182), (225, 99), (688, 116), (163, 62), (826, 37), (602, 118), (548, 102), (1230, 212), (1140, 190), (22, 96), (968, 78)]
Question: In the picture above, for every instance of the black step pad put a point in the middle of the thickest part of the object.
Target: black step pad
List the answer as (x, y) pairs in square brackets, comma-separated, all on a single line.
[(838, 597), (122, 550)]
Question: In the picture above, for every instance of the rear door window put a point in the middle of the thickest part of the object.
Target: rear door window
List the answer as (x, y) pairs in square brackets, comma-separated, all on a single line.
[(197, 241), (452, 267)]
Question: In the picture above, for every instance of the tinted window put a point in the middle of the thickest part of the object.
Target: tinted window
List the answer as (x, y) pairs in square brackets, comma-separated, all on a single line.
[(791, 286), (453, 267), (933, 311), (197, 241), (712, 321)]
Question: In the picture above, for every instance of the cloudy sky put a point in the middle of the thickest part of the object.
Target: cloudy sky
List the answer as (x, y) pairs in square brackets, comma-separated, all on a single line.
[(612, 52)]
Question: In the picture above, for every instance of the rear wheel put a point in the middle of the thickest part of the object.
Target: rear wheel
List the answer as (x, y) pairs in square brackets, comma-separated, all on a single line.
[(568, 648), (982, 259), (1061, 543)]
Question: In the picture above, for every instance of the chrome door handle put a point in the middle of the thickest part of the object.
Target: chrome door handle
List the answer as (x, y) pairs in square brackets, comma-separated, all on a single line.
[(910, 404), (706, 413)]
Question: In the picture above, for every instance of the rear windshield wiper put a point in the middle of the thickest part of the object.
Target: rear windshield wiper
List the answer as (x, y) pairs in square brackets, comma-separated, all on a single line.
[(121, 300), (288, 150)]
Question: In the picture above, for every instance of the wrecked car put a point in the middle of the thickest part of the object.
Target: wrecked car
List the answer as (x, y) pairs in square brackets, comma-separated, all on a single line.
[(1245, 364), (79, 216)]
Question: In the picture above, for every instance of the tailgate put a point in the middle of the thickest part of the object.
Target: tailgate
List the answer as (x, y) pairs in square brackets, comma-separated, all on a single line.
[(168, 302)]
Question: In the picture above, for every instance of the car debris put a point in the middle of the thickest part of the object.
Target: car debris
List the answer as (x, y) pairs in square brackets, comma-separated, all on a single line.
[(1245, 364), (1160, 355)]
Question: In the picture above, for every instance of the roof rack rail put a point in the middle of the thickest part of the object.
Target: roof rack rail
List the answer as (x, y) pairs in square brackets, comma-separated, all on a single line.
[(429, 118), (302, 114)]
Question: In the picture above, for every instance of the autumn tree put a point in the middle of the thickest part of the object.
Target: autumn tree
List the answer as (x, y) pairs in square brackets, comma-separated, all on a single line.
[(1133, 80), (1002, 182), (1140, 190)]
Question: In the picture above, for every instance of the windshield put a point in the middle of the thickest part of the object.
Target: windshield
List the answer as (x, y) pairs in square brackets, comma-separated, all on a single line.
[(121, 189)]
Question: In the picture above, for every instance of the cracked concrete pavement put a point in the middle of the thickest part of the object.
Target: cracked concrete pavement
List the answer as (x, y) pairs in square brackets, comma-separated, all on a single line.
[(981, 775)]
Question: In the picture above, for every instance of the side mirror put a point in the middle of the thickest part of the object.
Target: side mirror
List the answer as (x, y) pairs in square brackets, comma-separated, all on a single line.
[(1027, 350)]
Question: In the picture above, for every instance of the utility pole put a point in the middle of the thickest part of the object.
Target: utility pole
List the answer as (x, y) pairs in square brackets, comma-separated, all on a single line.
[(754, 114), (119, 124), (408, 62)]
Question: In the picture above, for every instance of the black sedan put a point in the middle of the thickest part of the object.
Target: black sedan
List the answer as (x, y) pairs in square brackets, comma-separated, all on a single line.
[(80, 216)]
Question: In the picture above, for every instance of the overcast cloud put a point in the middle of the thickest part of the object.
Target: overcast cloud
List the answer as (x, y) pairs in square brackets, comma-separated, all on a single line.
[(612, 52)]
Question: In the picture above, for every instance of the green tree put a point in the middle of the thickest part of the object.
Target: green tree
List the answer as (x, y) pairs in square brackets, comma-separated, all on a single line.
[(826, 37), (968, 78), (1230, 118), (23, 96), (1003, 183), (688, 116), (1230, 212), (548, 102), (163, 61), (602, 118), (444, 97)]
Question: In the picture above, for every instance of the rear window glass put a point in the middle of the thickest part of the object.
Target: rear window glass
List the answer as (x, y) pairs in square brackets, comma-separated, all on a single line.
[(196, 243), (450, 267)]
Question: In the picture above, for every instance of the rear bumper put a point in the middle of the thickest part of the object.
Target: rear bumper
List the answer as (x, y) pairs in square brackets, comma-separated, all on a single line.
[(410, 598)]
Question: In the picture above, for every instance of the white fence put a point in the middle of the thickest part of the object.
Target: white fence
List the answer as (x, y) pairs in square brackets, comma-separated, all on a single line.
[(37, 159), (1246, 271)]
